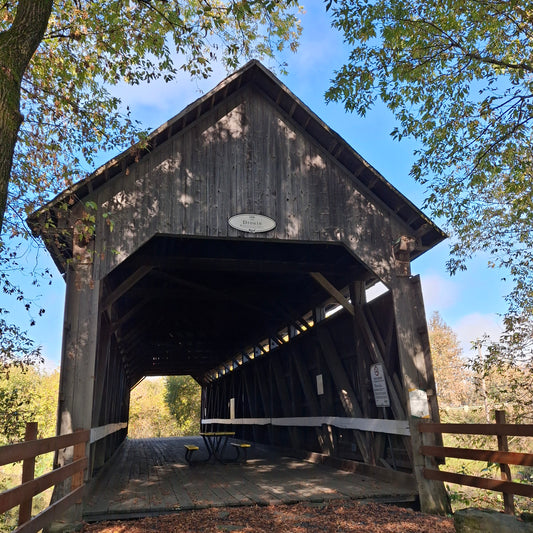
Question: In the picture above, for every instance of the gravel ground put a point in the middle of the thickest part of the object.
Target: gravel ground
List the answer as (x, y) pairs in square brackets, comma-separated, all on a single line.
[(338, 516)]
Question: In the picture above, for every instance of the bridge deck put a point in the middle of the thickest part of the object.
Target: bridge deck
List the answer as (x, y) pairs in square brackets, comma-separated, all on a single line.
[(151, 476)]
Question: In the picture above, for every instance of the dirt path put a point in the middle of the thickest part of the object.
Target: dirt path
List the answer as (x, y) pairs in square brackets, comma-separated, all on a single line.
[(338, 516)]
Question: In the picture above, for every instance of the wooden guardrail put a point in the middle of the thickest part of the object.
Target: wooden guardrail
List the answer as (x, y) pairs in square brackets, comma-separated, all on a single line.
[(23, 494), (502, 456)]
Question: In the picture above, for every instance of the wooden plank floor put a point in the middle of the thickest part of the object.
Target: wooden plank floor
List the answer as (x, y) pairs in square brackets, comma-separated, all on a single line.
[(151, 476)]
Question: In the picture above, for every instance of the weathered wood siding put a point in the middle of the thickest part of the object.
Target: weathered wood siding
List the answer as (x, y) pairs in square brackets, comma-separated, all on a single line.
[(243, 157), (282, 383)]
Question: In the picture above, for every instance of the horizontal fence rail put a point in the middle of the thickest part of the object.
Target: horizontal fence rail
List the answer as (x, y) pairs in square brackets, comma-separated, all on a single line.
[(511, 430), (27, 451), (13, 497), (508, 458), (507, 487), (501, 456)]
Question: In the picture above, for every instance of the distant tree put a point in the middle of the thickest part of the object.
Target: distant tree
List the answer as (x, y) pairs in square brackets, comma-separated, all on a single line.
[(27, 394), (506, 366), (458, 78), (452, 375), (183, 397), (46, 400), (149, 414)]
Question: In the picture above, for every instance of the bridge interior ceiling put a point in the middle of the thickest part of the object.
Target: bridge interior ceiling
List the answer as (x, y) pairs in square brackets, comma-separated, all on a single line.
[(181, 306)]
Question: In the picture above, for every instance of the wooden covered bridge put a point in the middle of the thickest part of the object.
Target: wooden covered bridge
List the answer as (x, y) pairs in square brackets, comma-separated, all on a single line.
[(219, 249)]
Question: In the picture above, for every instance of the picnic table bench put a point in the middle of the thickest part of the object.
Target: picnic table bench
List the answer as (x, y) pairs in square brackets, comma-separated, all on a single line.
[(215, 443), (189, 450), (241, 447)]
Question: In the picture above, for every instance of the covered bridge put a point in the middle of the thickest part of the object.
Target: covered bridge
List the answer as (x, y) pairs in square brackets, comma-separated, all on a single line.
[(219, 249)]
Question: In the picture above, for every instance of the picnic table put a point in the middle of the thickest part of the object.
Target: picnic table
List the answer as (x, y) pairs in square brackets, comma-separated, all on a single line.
[(216, 442)]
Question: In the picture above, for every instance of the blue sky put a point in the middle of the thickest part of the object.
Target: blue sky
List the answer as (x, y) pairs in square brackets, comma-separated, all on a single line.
[(470, 302)]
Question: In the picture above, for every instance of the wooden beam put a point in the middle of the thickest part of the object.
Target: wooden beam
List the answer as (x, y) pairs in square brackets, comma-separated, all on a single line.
[(489, 456), (133, 336), (419, 315), (522, 430), (406, 298), (53, 512), (265, 400), (13, 497), (333, 291), (358, 297), (396, 402), (115, 325), (394, 385), (285, 397), (480, 482), (250, 399), (310, 394), (125, 286), (384, 341), (213, 293), (236, 264), (344, 388), (102, 371)]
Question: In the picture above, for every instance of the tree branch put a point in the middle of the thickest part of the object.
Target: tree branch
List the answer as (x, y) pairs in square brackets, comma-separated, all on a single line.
[(489, 60)]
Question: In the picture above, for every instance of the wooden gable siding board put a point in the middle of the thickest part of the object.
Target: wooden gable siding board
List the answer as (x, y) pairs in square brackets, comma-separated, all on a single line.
[(160, 185), (223, 166), (358, 171), (117, 199)]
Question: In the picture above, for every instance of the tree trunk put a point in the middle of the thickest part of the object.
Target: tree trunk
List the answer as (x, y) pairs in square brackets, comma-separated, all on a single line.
[(17, 46)]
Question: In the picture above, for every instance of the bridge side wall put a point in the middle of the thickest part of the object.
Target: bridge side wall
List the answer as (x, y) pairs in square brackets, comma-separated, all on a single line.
[(284, 383)]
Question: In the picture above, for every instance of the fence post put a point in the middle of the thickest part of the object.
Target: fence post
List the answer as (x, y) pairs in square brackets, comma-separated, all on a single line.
[(508, 499), (79, 453), (28, 473)]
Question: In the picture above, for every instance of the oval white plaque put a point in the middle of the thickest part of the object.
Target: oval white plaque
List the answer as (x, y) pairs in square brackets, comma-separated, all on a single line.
[(251, 223)]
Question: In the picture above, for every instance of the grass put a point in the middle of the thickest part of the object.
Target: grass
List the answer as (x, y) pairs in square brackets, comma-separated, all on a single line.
[(462, 496)]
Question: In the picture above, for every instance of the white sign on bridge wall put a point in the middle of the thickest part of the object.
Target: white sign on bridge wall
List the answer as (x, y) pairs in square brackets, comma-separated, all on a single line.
[(418, 400), (381, 394), (252, 223)]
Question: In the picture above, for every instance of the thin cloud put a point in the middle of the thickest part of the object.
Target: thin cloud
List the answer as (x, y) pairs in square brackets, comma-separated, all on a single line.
[(475, 326), (165, 99), (439, 292)]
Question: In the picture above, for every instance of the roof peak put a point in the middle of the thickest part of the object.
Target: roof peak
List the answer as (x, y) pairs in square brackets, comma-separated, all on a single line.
[(363, 175)]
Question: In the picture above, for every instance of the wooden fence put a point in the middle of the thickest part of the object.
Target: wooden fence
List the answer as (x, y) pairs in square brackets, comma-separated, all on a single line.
[(502, 456), (23, 494)]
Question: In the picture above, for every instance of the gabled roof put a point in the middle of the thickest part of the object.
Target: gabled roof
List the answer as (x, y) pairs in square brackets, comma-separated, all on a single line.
[(365, 177)]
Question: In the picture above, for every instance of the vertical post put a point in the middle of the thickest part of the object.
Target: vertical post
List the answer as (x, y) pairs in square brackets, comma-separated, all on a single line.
[(78, 359), (503, 446), (79, 453), (408, 301), (78, 354), (358, 297), (28, 473)]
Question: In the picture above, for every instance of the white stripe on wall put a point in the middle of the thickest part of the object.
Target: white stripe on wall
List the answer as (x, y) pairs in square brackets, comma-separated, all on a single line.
[(393, 427)]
